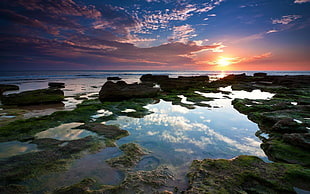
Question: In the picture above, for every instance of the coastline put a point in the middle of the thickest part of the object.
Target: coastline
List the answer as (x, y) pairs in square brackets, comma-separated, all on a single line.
[(92, 104)]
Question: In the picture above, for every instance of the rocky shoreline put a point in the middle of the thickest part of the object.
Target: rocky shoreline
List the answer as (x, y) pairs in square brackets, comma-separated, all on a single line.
[(284, 123)]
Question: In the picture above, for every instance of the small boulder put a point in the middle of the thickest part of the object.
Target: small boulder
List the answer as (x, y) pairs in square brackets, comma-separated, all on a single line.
[(168, 84), (154, 78), (114, 78), (7, 87), (260, 74), (121, 91), (56, 85), (41, 96)]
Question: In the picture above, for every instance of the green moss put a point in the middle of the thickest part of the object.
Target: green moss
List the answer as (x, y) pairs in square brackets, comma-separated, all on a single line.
[(81, 187), (132, 155), (245, 174), (40, 96), (27, 128), (279, 151)]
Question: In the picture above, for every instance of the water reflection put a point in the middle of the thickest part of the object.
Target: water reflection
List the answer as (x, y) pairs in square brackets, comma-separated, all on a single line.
[(92, 165), (12, 148), (198, 133), (65, 132), (255, 94)]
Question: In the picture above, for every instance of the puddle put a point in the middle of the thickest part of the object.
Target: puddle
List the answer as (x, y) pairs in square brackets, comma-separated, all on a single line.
[(13, 148)]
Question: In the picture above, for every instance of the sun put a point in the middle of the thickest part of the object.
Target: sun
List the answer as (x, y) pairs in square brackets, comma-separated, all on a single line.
[(224, 61)]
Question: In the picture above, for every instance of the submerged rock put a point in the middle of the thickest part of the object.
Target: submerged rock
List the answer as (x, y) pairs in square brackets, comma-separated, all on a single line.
[(56, 158), (108, 131), (41, 96), (81, 187), (132, 155), (245, 174), (121, 91)]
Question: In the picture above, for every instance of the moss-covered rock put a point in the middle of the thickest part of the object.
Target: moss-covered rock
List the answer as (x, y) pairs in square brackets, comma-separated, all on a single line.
[(41, 96), (135, 182), (108, 131), (280, 151), (81, 187), (120, 90), (245, 174), (286, 123), (132, 155)]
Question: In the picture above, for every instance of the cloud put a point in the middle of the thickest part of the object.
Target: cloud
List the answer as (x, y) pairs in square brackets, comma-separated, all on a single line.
[(99, 35), (272, 31), (61, 7), (238, 60), (301, 1), (182, 33), (286, 19)]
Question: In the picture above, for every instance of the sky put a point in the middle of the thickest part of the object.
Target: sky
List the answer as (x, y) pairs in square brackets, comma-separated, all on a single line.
[(209, 35)]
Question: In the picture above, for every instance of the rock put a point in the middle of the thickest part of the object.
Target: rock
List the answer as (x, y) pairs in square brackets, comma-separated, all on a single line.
[(154, 78), (108, 131), (168, 84), (41, 96), (121, 91), (114, 78), (56, 85), (81, 187), (245, 174), (260, 74), (7, 87), (298, 139), (292, 81), (287, 125), (132, 155), (280, 151)]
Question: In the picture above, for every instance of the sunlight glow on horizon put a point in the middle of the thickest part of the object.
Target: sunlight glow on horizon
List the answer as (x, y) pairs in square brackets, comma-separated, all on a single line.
[(224, 61)]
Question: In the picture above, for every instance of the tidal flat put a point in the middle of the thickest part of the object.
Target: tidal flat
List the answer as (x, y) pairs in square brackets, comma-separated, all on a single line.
[(238, 134)]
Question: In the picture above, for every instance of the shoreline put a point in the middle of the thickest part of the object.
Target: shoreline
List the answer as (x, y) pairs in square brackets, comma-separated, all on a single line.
[(237, 82)]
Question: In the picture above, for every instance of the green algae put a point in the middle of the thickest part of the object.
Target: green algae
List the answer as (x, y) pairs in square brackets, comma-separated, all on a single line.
[(25, 129), (279, 151), (81, 187), (245, 174)]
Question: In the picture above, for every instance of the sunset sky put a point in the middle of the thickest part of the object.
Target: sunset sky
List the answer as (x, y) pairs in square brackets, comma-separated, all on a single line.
[(155, 35)]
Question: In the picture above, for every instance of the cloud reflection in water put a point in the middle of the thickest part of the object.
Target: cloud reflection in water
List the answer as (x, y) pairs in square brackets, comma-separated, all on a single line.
[(213, 133)]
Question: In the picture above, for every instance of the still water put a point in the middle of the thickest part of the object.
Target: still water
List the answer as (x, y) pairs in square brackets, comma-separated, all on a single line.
[(173, 135)]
